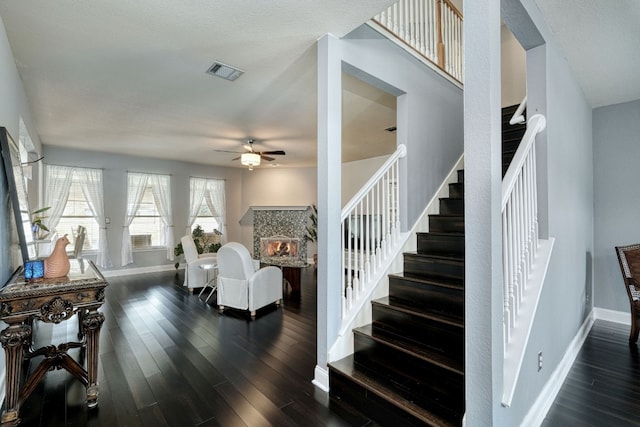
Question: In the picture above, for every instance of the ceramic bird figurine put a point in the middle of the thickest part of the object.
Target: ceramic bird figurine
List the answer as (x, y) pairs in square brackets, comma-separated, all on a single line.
[(57, 264)]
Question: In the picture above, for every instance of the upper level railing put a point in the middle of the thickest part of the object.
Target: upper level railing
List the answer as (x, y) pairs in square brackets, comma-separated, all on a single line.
[(431, 27), (370, 230)]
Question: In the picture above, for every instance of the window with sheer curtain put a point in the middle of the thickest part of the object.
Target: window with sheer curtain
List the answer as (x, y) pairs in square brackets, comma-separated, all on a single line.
[(148, 219), (75, 196), (207, 204), (147, 228), (77, 212)]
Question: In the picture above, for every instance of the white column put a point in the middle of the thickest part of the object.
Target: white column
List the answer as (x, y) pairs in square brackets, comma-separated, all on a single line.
[(483, 230), (329, 201)]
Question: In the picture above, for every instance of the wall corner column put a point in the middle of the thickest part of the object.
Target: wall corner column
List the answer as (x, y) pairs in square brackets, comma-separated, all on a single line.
[(329, 202)]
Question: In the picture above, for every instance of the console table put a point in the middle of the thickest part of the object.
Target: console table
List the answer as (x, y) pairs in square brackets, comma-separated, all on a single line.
[(81, 292)]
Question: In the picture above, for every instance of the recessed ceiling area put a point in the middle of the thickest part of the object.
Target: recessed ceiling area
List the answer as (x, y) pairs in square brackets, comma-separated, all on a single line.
[(366, 113)]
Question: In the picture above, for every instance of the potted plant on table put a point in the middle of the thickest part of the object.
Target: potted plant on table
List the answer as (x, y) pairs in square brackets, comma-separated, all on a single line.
[(40, 231)]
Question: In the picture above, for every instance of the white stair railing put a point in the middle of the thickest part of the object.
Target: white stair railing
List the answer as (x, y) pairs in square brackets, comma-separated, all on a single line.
[(370, 231), (525, 256), (432, 27)]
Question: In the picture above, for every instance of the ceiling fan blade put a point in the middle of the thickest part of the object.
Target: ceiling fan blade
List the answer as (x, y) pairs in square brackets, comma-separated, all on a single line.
[(274, 153), (227, 151), (267, 158), (236, 158)]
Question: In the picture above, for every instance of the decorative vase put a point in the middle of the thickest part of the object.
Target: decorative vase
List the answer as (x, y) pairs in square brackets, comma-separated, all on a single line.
[(57, 264)]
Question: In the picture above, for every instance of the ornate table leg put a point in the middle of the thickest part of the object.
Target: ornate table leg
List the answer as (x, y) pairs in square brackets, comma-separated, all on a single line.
[(13, 340), (91, 324)]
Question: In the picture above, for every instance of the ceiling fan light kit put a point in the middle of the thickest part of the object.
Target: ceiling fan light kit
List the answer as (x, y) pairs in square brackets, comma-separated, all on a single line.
[(250, 159)]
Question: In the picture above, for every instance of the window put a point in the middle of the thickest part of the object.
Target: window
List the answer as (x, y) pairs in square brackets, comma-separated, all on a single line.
[(78, 212), (148, 202), (207, 204), (74, 196), (146, 228), (205, 219)]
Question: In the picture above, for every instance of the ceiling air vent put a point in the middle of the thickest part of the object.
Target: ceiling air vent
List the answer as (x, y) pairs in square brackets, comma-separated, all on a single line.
[(225, 71)]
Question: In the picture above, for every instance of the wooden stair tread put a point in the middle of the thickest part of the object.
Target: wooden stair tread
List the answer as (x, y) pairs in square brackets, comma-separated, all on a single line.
[(443, 258), (442, 233), (411, 347), (347, 367), (422, 312), (440, 282)]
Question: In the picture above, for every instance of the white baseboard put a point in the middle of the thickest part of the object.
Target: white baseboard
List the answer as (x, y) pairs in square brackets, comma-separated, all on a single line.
[(612, 315), (321, 378), (138, 270), (540, 407)]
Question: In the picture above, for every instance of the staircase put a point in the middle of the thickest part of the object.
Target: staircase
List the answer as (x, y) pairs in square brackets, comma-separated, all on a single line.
[(511, 136), (408, 365)]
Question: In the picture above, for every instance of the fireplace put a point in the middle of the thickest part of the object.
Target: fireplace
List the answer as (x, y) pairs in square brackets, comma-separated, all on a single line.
[(279, 249)]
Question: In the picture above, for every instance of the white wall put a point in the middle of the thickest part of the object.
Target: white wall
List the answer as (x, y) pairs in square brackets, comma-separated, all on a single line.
[(430, 112), (13, 105), (617, 198), (355, 175), (513, 68), (276, 187), (115, 167)]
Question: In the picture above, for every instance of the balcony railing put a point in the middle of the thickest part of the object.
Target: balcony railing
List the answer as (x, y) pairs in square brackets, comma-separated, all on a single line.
[(433, 28)]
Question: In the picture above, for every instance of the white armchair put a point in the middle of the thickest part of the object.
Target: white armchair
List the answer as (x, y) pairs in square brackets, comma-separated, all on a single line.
[(194, 276), (243, 287)]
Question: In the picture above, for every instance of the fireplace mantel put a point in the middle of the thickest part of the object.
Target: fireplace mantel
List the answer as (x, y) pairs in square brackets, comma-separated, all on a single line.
[(247, 218)]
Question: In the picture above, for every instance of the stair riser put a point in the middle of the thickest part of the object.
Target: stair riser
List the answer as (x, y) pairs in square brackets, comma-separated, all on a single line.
[(427, 297), (417, 266), (412, 378), (512, 132), (343, 390), (441, 337), (438, 244), (456, 190), (447, 224), (451, 206)]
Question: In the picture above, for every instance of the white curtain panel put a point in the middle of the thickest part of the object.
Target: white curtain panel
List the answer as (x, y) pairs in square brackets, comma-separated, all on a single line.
[(58, 180), (216, 202), (197, 188), (161, 187), (92, 188), (136, 183)]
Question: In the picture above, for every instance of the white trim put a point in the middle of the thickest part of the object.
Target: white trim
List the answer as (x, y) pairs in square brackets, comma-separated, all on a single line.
[(321, 378), (138, 270), (547, 395), (612, 315)]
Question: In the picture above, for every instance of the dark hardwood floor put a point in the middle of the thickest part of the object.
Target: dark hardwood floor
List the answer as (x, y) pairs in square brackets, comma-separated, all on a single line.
[(169, 359), (603, 385)]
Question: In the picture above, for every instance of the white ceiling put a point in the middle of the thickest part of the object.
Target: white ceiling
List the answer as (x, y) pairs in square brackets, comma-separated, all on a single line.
[(601, 41), (129, 76)]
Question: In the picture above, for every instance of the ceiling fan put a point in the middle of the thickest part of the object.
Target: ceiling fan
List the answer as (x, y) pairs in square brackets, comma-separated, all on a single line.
[(252, 158)]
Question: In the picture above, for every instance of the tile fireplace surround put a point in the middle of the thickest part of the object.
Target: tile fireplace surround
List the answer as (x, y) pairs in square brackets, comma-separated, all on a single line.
[(280, 221)]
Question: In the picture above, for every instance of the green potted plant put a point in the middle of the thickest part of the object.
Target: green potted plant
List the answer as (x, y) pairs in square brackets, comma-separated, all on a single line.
[(40, 231)]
